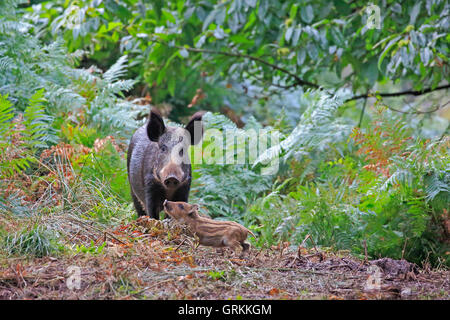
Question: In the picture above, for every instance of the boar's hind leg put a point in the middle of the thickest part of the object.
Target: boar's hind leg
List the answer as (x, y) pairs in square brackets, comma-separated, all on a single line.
[(137, 204)]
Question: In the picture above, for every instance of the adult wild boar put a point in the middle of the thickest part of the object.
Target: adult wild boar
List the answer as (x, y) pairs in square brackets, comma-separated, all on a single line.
[(158, 163)]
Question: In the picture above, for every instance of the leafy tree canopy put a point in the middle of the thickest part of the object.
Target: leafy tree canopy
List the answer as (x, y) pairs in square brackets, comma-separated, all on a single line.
[(180, 46)]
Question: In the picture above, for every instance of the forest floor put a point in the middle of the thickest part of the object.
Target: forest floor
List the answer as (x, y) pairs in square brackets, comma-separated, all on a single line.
[(149, 259)]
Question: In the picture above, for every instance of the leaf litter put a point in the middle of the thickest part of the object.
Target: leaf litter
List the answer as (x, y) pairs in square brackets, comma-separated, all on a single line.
[(151, 259)]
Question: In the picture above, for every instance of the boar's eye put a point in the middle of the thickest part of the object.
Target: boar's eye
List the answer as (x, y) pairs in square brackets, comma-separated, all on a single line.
[(163, 148), (181, 152)]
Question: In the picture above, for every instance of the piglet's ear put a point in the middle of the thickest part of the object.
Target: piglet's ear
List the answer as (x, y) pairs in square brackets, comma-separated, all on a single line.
[(155, 126), (195, 127)]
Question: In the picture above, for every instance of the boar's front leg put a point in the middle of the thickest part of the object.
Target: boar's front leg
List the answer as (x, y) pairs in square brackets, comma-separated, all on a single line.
[(182, 193), (154, 198)]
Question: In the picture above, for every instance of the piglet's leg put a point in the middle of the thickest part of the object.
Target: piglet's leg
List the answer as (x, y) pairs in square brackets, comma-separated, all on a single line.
[(235, 245), (245, 249), (245, 245)]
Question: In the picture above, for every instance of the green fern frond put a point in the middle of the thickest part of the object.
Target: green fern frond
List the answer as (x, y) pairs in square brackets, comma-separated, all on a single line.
[(8, 165), (23, 143), (317, 127), (38, 123), (64, 98), (10, 26), (117, 70), (119, 86), (438, 183), (6, 63), (6, 114)]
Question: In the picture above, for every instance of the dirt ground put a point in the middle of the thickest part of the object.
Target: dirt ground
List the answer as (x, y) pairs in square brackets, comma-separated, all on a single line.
[(150, 259)]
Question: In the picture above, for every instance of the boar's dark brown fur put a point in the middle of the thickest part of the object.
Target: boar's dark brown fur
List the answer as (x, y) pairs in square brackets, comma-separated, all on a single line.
[(158, 163)]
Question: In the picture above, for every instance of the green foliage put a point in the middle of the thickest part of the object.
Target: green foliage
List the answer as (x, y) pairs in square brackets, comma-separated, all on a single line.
[(108, 209), (317, 127), (36, 242), (91, 249), (287, 68), (79, 135), (181, 44), (95, 97), (37, 123), (217, 275), (105, 166), (26, 64), (227, 189), (22, 138), (29, 65), (105, 111), (393, 194)]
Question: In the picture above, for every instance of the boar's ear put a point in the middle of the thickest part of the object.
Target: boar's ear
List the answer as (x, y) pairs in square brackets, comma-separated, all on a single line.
[(195, 127), (155, 126)]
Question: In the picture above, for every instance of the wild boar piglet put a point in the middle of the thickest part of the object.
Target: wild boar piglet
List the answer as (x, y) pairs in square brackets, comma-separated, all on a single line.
[(210, 232)]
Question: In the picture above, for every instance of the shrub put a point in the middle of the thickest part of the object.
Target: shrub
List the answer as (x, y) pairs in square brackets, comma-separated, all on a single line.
[(393, 193)]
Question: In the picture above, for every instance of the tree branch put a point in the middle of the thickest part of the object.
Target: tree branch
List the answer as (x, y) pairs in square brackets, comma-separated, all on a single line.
[(298, 80), (400, 93), (418, 111), (362, 112)]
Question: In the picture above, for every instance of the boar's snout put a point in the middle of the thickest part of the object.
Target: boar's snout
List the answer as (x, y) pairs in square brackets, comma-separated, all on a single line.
[(171, 182)]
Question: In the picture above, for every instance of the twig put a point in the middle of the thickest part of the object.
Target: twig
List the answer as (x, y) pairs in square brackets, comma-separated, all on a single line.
[(400, 93), (404, 247), (97, 229), (153, 285), (258, 253), (340, 265), (314, 245), (366, 260), (282, 249), (362, 111), (178, 247), (304, 271), (418, 111), (115, 238), (74, 235), (304, 240)]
